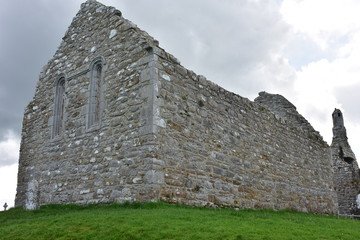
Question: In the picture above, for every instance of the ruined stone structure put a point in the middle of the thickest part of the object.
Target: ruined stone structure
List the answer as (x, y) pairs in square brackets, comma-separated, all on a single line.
[(116, 118), (346, 170)]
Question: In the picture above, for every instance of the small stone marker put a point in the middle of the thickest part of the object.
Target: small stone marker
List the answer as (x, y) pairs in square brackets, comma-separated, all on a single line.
[(5, 206)]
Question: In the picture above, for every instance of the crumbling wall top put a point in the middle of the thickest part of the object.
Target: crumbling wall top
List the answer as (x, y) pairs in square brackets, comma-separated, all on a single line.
[(286, 112), (338, 119), (340, 139)]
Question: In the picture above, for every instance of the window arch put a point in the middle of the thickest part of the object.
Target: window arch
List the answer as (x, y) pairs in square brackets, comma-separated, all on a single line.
[(58, 124), (95, 93)]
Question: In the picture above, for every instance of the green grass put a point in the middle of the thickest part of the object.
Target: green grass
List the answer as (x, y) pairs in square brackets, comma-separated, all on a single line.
[(164, 221)]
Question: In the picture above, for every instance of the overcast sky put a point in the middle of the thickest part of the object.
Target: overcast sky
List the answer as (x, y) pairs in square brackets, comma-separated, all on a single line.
[(306, 50)]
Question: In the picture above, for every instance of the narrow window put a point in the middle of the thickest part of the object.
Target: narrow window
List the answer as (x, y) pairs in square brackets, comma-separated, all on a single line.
[(95, 94), (59, 107)]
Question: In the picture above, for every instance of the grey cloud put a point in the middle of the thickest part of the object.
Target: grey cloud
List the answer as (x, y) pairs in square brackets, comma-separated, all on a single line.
[(228, 42), (349, 98), (30, 33), (7, 160)]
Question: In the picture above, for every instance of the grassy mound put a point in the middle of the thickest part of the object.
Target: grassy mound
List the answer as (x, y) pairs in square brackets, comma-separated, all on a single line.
[(164, 221)]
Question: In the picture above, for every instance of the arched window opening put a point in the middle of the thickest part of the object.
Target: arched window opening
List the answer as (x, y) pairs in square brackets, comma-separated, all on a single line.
[(95, 94), (58, 125)]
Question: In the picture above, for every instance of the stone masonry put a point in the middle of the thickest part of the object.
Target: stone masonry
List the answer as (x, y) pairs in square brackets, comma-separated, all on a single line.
[(347, 176), (115, 118)]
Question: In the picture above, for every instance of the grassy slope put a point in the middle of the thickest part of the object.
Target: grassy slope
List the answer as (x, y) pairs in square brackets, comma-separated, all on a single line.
[(162, 221)]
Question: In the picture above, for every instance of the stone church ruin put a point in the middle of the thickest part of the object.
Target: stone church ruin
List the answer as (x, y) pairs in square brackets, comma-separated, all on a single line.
[(116, 118)]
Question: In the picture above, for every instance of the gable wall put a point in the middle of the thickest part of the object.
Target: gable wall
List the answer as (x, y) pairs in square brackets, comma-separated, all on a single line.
[(111, 161)]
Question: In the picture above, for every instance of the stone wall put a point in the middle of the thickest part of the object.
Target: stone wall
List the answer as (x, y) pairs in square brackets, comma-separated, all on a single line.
[(164, 133), (219, 148), (110, 161)]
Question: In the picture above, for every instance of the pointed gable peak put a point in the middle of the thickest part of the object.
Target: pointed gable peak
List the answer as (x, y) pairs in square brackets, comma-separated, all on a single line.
[(99, 7)]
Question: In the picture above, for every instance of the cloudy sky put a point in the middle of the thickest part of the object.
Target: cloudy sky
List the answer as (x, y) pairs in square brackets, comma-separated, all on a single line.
[(306, 50)]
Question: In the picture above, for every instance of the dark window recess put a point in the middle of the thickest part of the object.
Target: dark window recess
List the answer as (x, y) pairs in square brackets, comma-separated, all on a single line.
[(349, 160), (95, 94), (59, 107)]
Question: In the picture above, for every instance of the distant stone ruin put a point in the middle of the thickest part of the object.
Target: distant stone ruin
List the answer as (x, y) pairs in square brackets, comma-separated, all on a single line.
[(346, 170), (115, 118)]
